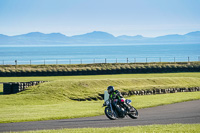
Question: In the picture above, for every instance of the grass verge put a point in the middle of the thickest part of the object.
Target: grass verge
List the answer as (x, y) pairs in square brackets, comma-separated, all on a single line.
[(37, 111), (183, 128)]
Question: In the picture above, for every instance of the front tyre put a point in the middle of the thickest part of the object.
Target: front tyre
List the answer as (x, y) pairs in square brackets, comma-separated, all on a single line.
[(134, 114), (109, 114)]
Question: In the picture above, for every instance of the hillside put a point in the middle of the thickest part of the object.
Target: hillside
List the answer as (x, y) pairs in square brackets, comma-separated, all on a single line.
[(57, 99)]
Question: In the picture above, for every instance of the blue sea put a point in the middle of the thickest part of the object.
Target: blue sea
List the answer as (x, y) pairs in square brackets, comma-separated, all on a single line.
[(98, 54)]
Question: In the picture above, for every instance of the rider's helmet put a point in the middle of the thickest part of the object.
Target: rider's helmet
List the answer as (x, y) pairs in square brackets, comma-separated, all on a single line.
[(110, 89)]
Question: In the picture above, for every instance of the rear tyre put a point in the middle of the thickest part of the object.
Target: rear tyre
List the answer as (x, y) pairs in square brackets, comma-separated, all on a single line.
[(109, 114), (134, 114)]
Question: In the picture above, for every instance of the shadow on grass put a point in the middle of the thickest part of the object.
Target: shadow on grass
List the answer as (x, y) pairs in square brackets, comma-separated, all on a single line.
[(1, 93)]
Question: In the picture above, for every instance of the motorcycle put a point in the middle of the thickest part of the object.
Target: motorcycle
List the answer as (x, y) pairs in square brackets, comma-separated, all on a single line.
[(125, 109)]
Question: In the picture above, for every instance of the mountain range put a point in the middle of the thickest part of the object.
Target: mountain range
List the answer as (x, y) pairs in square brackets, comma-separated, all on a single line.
[(96, 37)]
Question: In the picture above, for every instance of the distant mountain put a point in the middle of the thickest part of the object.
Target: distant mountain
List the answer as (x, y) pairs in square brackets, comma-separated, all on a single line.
[(38, 35), (192, 37), (37, 38), (131, 38), (169, 38), (4, 39), (96, 37), (193, 34), (3, 36)]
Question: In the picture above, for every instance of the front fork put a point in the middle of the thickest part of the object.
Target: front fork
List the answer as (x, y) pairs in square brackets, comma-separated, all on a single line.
[(111, 107), (127, 106)]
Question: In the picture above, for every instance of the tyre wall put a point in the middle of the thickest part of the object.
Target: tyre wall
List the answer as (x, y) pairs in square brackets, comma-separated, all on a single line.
[(15, 87)]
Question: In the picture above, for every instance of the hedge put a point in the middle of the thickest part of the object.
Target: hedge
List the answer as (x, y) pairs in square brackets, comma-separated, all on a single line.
[(96, 69)]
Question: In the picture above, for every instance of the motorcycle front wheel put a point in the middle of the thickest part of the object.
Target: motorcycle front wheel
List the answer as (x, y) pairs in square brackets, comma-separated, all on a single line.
[(109, 114), (134, 114)]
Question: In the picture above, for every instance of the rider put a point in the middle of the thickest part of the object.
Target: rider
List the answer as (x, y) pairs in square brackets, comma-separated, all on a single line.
[(115, 96)]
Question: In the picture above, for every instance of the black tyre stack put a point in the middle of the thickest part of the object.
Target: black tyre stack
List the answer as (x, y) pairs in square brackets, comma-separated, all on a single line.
[(15, 87)]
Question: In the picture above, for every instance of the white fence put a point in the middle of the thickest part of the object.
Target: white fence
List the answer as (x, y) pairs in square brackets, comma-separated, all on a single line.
[(100, 60)]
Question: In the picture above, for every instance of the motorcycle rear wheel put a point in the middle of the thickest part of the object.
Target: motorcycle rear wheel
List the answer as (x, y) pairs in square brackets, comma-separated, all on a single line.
[(109, 114), (135, 114)]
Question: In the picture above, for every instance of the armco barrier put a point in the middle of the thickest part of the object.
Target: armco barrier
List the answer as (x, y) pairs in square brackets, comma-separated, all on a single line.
[(15, 87)]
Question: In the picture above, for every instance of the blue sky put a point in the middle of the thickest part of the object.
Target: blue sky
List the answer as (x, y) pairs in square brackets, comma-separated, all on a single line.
[(149, 18)]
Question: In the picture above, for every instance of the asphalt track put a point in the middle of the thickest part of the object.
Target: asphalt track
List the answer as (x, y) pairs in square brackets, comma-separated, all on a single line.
[(186, 113)]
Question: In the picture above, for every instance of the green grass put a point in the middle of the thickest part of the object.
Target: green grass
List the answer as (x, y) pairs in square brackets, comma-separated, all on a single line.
[(52, 100), (1, 89), (163, 99), (22, 110), (175, 128)]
